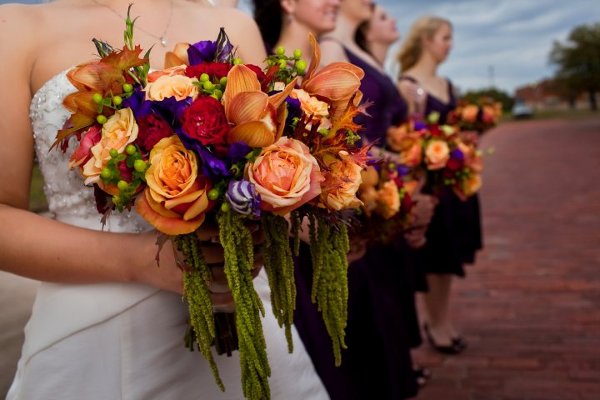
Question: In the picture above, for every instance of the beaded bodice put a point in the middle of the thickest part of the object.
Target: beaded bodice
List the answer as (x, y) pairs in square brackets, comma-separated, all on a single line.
[(69, 200)]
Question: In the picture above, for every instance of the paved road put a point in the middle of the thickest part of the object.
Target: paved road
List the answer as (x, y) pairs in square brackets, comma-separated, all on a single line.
[(530, 308)]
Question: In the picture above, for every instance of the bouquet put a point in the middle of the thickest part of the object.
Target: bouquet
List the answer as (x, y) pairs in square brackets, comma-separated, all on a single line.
[(439, 155), (479, 117), (387, 201), (209, 138)]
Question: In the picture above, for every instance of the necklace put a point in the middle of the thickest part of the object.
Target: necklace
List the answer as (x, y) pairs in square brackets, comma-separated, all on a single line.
[(162, 39)]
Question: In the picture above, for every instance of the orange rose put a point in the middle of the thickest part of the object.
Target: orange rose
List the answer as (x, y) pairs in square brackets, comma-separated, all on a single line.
[(176, 198), (437, 154), (286, 176), (407, 144), (341, 183), (388, 201), (118, 131), (469, 187), (178, 70), (178, 86), (469, 113)]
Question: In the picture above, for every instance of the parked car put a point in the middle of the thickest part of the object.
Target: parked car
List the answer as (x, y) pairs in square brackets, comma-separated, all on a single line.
[(521, 110)]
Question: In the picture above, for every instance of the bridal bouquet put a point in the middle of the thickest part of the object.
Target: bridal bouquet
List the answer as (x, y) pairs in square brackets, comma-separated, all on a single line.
[(209, 138), (478, 117), (437, 153), (387, 201)]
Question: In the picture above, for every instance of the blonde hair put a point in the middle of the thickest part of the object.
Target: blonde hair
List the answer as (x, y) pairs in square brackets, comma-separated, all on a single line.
[(424, 27)]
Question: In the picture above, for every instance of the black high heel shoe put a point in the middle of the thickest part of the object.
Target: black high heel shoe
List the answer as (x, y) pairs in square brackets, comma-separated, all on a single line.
[(456, 346)]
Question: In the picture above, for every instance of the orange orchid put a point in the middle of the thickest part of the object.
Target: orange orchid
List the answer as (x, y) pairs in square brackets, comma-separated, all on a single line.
[(339, 82), (258, 118), (178, 56), (103, 76)]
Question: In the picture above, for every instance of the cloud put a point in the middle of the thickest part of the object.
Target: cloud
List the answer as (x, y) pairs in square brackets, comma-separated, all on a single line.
[(501, 42)]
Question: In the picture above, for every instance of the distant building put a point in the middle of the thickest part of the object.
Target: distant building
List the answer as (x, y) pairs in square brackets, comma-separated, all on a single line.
[(544, 95)]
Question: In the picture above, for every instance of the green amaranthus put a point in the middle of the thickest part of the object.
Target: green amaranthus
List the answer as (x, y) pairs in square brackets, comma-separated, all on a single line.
[(329, 246), (280, 270)]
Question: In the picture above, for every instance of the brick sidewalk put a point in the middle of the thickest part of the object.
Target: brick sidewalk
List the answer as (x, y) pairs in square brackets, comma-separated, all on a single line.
[(530, 308)]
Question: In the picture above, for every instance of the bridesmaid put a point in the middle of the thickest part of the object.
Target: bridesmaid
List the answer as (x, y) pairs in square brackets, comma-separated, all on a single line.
[(287, 23), (382, 323), (376, 37), (454, 235)]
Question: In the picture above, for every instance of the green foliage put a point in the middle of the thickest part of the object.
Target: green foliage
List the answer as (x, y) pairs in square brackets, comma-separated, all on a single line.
[(238, 246), (280, 270), (578, 62), (498, 95), (329, 246)]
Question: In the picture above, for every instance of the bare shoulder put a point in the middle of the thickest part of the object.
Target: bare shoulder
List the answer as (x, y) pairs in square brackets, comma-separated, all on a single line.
[(18, 20), (332, 51)]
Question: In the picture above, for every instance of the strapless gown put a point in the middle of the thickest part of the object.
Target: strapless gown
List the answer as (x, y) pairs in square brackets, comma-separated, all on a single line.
[(125, 341)]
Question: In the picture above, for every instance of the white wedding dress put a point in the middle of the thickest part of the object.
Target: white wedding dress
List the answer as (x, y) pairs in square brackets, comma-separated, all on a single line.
[(125, 341)]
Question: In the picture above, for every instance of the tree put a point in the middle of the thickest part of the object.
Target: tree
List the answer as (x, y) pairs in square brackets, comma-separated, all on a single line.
[(578, 61)]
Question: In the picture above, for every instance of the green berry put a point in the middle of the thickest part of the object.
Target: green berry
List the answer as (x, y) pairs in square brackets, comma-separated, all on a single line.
[(208, 85), (300, 66), (297, 54), (123, 185), (101, 119), (113, 153), (237, 61), (139, 165), (225, 207), (204, 77), (223, 81), (127, 88), (130, 149), (213, 194), (280, 51), (117, 100), (105, 173), (97, 98), (282, 64), (218, 94)]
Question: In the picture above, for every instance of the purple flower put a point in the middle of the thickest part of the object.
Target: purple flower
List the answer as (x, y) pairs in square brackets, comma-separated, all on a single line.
[(203, 51), (243, 197), (457, 155), (224, 48), (138, 104)]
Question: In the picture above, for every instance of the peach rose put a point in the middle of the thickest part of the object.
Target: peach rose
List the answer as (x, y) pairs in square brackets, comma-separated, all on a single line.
[(341, 183), (178, 86), (437, 154), (176, 198), (118, 131), (311, 105), (369, 178), (368, 196), (286, 176), (388, 201), (472, 156)]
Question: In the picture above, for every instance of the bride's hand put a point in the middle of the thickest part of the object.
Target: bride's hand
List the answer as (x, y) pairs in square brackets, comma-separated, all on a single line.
[(212, 251)]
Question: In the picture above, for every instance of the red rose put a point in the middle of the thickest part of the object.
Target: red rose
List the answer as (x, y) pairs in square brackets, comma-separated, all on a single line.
[(152, 129), (205, 122), (454, 164), (218, 70), (258, 71)]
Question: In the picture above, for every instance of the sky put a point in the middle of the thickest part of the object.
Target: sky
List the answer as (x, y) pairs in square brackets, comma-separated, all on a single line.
[(501, 43)]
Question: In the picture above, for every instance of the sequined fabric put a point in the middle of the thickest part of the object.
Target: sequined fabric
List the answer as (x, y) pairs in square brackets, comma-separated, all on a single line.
[(69, 200)]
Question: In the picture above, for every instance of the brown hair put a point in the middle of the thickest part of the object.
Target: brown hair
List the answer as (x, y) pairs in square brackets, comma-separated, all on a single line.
[(424, 27)]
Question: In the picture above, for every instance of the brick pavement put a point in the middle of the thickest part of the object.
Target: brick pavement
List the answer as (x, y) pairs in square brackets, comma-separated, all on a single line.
[(530, 307)]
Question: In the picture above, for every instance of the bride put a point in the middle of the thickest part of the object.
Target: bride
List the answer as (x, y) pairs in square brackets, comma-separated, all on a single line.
[(107, 322)]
